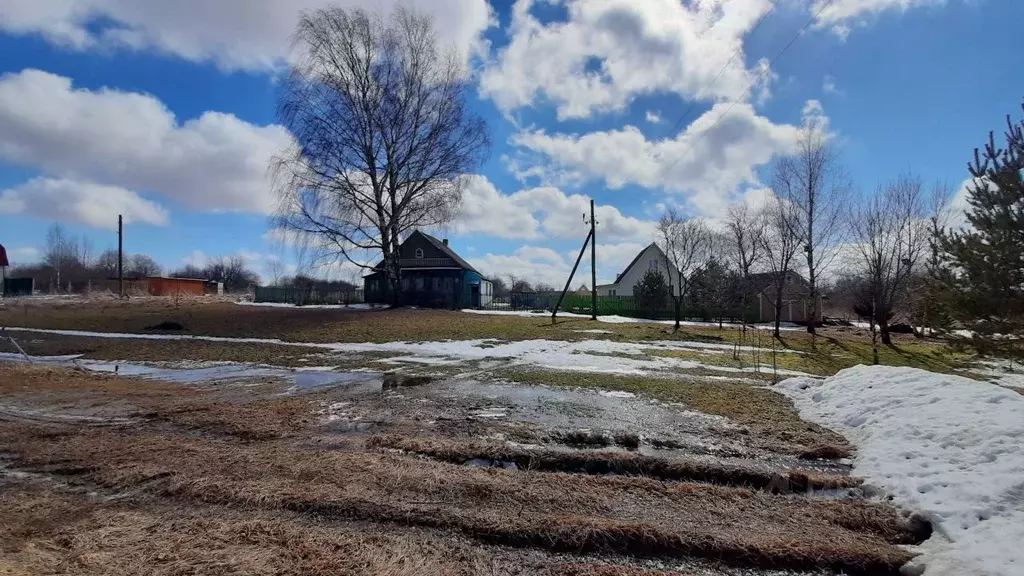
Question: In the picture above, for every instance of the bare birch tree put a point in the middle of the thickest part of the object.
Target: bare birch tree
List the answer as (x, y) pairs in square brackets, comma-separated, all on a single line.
[(383, 135), (745, 228), (817, 187), (891, 233), (61, 251), (779, 245), (685, 242)]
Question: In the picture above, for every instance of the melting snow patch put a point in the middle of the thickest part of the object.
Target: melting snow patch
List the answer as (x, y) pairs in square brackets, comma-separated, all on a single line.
[(949, 447), (616, 394), (1001, 372), (615, 319), (600, 356), (594, 331)]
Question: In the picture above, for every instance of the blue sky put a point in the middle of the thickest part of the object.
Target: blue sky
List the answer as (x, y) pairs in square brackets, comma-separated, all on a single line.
[(165, 111)]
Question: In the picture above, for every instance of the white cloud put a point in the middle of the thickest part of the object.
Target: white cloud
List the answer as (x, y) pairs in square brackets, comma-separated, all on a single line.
[(24, 254), (716, 156), (82, 202), (610, 51), (131, 140), (843, 15), (522, 265), (544, 212), (235, 34), (955, 209), (653, 116), (539, 264), (197, 258), (485, 210), (828, 85), (612, 259)]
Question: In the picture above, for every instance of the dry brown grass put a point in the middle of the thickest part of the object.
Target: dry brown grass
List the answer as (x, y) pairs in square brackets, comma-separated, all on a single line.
[(47, 532), (621, 463), (190, 408), (216, 317), (551, 511), (140, 350), (770, 417)]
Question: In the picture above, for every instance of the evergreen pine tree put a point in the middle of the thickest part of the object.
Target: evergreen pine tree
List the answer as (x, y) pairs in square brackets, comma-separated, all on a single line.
[(983, 280), (651, 292)]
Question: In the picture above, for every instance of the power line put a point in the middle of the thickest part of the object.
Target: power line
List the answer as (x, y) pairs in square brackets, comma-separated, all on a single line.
[(755, 81), (693, 103)]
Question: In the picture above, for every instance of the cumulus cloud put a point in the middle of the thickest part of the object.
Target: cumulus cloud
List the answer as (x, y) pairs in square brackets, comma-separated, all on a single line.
[(842, 15), (485, 210), (611, 51), (715, 156), (24, 254), (81, 202), (543, 212), (132, 141), (653, 116), (540, 264), (234, 34)]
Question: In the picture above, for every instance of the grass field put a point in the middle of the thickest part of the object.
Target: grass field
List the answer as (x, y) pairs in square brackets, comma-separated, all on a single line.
[(639, 451)]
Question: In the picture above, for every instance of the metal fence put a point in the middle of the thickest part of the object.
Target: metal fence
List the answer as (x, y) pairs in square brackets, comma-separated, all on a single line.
[(305, 296), (606, 305)]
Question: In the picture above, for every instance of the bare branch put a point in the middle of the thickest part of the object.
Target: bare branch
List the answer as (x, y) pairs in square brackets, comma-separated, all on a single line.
[(686, 244), (818, 188), (383, 135)]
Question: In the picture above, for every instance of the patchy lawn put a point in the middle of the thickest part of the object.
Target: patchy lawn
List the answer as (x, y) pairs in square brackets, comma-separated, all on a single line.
[(765, 413), (155, 478)]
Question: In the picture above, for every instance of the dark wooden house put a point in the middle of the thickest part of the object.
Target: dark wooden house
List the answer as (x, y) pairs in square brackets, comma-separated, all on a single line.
[(433, 276)]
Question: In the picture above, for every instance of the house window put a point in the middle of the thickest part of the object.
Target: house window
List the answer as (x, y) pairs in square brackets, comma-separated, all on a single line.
[(419, 253), (419, 283), (653, 265), (405, 283), (437, 283)]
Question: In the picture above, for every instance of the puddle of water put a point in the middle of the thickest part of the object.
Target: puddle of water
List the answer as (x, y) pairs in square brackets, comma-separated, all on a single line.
[(355, 382), (193, 373), (311, 379)]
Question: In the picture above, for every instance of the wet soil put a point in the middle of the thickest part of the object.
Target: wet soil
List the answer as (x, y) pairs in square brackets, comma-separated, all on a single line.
[(465, 461)]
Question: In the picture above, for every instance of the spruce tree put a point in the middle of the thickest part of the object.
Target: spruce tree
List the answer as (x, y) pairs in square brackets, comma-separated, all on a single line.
[(651, 293), (983, 279)]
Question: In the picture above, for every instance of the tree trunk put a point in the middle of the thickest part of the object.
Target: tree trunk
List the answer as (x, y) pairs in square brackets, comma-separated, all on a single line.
[(883, 330), (678, 312), (814, 293), (778, 308)]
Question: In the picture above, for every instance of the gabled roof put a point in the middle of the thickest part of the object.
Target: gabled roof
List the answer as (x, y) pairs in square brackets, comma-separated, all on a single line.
[(446, 249), (440, 245), (637, 259)]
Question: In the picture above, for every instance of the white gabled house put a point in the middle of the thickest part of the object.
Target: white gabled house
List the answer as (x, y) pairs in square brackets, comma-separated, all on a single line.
[(650, 258)]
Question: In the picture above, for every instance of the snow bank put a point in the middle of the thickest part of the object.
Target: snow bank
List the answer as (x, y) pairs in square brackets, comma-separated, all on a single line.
[(1002, 372), (598, 356), (949, 447), (616, 319)]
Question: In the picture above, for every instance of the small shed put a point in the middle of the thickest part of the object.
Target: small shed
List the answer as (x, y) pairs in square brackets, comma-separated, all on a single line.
[(163, 286)]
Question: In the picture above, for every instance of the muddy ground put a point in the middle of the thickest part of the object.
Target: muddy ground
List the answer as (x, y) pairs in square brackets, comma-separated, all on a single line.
[(377, 468)]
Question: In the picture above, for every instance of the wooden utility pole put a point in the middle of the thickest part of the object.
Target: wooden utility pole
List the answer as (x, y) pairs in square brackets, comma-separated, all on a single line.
[(120, 256), (593, 263), (583, 250)]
